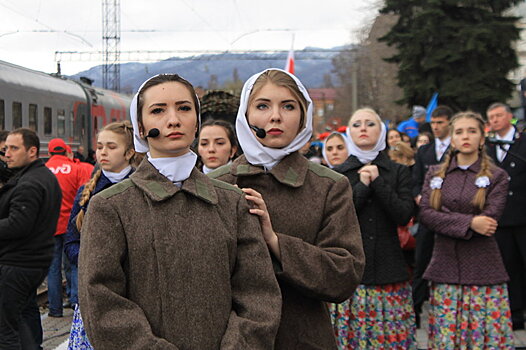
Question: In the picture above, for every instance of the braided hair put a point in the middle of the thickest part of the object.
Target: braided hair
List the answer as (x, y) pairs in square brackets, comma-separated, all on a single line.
[(120, 128), (486, 165)]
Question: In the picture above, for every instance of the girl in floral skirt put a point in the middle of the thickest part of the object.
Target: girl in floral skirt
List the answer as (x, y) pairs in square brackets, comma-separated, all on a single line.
[(380, 313), (462, 200)]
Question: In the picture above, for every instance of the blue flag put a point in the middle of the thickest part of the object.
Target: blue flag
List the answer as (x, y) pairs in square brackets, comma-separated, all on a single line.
[(431, 106)]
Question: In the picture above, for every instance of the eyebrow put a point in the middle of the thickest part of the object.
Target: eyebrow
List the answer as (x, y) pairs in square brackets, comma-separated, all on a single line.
[(110, 142), (268, 100), (213, 138), (160, 104)]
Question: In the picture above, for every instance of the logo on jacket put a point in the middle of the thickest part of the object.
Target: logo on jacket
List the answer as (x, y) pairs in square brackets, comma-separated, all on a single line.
[(63, 169)]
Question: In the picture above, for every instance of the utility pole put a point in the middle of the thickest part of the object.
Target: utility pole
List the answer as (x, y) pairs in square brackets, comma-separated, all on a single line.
[(111, 38)]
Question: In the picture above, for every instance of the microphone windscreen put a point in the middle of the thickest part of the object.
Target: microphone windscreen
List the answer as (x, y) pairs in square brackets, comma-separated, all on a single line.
[(153, 133)]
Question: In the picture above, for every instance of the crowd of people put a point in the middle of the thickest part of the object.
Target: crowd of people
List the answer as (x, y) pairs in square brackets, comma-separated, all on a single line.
[(205, 236)]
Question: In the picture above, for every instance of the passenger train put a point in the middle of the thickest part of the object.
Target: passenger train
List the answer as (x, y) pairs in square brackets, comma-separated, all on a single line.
[(55, 106)]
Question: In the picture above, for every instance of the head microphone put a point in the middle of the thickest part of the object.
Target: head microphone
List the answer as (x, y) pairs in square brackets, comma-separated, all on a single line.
[(153, 133), (261, 133)]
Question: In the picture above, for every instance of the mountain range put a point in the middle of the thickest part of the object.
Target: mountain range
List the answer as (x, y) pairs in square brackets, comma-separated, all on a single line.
[(313, 66)]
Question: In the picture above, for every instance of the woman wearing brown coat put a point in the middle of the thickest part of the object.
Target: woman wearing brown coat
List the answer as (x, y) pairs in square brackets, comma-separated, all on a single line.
[(306, 210), (171, 259)]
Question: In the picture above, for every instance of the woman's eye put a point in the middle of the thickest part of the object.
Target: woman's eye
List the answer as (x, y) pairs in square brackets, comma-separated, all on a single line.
[(203, 144), (329, 148), (356, 125), (185, 108), (220, 143), (340, 147), (112, 147), (261, 106), (156, 111), (371, 124), (289, 107)]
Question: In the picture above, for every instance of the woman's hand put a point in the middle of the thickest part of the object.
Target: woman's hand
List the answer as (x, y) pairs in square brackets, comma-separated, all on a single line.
[(484, 225), (368, 173), (260, 209), (371, 169)]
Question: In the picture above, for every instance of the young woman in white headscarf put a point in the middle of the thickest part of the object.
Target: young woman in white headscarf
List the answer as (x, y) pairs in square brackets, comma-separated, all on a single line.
[(169, 258), (335, 149), (306, 210), (380, 313)]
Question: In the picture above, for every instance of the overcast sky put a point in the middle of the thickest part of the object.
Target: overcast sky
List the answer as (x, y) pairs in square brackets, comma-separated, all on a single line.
[(32, 30)]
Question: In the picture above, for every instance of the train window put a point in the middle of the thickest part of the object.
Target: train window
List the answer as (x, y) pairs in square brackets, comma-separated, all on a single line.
[(48, 125), (73, 129), (2, 114), (17, 115), (61, 122), (33, 117)]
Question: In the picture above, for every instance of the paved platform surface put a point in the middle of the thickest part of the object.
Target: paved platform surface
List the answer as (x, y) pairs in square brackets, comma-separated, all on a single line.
[(56, 330)]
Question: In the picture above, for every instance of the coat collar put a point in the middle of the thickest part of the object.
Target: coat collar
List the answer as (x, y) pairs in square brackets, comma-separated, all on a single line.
[(474, 168), (352, 163), (159, 188), (290, 171)]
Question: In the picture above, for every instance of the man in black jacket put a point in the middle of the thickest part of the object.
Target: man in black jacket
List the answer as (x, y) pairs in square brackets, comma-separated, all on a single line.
[(507, 147), (29, 209), (427, 155)]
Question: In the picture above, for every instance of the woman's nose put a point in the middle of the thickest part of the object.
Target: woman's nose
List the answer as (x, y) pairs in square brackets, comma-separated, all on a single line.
[(173, 118), (275, 115)]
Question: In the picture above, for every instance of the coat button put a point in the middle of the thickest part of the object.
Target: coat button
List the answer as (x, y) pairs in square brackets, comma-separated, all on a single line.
[(370, 220), (509, 178), (510, 193), (512, 164), (371, 237)]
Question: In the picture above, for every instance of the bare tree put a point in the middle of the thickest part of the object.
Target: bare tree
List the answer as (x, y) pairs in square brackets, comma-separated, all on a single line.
[(366, 76)]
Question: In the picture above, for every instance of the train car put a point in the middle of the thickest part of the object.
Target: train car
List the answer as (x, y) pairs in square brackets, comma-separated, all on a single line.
[(55, 106)]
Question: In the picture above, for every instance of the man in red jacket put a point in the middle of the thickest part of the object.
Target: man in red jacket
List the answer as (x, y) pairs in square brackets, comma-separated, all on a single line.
[(70, 177)]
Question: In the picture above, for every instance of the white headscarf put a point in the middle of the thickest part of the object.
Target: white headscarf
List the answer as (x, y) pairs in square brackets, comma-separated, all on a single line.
[(324, 151), (255, 152), (176, 169), (141, 145), (367, 156)]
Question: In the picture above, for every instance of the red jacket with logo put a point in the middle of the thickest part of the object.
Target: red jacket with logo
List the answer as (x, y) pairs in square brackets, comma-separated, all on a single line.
[(70, 177)]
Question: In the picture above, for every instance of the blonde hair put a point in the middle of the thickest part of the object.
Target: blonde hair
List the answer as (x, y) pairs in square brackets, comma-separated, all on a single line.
[(486, 165), (402, 150), (281, 79), (365, 110), (125, 129)]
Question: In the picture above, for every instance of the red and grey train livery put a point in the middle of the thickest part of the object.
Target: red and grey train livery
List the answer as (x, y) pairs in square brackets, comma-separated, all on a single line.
[(55, 106)]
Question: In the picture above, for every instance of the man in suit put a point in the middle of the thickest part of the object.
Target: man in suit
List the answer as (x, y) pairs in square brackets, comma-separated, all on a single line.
[(511, 232), (427, 155)]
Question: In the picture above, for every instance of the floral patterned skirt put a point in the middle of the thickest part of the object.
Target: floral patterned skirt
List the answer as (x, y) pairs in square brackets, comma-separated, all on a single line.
[(376, 317), (77, 338), (469, 317)]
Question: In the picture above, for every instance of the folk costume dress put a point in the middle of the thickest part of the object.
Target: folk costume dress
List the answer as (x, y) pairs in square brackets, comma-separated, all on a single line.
[(312, 212), (380, 313), (469, 297)]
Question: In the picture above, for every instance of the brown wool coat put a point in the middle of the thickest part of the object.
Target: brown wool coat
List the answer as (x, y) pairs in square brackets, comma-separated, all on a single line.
[(169, 268), (322, 259)]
